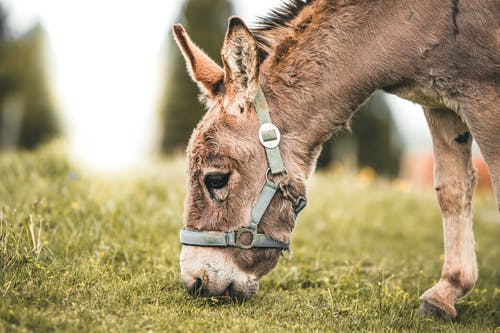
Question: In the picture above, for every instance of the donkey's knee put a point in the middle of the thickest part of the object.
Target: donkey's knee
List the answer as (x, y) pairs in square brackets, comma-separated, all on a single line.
[(455, 195), (450, 198)]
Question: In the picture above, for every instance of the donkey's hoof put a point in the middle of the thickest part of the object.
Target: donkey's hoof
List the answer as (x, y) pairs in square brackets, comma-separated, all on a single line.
[(436, 308)]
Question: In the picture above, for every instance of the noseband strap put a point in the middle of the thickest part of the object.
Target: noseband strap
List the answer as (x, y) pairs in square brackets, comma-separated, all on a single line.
[(233, 238), (248, 237)]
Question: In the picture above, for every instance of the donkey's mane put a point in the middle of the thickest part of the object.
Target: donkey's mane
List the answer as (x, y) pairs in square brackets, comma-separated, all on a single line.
[(279, 17)]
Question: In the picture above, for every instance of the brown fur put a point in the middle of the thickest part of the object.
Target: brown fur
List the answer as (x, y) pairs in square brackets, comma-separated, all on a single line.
[(317, 64), (204, 70)]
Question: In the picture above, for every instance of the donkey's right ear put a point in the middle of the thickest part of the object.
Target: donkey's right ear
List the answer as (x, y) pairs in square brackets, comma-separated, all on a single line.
[(203, 70)]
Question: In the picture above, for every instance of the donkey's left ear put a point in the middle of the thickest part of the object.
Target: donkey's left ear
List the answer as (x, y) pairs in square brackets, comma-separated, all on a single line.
[(203, 70), (241, 59)]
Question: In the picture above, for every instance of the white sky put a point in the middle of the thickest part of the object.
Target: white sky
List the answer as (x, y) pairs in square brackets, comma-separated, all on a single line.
[(106, 66)]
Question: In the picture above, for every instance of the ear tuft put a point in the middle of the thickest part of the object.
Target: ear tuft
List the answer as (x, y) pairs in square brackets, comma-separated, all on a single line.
[(235, 21), (202, 69), (178, 29)]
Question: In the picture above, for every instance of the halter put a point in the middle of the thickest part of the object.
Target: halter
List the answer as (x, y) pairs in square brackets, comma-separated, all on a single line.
[(269, 137)]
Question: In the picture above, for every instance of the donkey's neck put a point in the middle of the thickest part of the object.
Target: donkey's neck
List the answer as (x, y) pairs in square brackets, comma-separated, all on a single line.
[(329, 58)]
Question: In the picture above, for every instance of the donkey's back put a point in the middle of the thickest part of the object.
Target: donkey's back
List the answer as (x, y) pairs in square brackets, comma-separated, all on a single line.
[(456, 62), (473, 48)]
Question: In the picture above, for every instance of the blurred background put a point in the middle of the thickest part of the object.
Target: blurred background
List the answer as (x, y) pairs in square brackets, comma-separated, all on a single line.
[(106, 78)]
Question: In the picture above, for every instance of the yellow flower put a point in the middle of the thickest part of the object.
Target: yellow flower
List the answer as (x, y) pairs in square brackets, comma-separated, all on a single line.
[(366, 175)]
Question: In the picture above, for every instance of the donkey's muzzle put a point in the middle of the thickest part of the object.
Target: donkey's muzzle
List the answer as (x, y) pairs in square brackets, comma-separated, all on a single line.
[(200, 287), (210, 272)]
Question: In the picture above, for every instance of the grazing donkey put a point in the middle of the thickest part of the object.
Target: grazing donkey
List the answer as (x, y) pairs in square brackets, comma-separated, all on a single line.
[(296, 78)]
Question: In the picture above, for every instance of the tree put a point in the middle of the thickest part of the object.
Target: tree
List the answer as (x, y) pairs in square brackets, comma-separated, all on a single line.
[(27, 117), (373, 142), (206, 22)]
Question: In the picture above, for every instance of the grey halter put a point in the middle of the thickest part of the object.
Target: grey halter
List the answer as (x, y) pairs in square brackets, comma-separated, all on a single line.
[(269, 137)]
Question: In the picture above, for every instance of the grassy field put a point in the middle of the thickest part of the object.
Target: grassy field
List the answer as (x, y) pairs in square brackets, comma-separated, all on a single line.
[(84, 253)]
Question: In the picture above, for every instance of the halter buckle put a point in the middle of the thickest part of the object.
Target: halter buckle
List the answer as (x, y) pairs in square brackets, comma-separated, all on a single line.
[(269, 135), (240, 232), (299, 204)]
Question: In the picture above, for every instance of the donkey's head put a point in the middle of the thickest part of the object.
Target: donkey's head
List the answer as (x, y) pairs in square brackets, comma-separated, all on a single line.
[(227, 173)]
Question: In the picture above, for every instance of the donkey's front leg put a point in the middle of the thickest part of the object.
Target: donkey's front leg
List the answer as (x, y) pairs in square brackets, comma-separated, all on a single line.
[(454, 179)]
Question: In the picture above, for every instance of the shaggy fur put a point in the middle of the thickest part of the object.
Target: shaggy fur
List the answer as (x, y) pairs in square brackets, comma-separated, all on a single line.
[(316, 61)]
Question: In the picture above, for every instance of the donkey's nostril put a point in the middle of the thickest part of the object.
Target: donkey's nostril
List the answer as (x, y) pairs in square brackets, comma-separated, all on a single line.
[(195, 287), (227, 292), (198, 284)]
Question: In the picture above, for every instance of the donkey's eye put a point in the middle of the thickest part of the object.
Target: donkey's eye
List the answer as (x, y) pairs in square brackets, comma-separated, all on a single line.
[(216, 181)]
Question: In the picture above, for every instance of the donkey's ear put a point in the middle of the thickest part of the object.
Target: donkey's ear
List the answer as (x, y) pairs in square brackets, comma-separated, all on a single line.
[(203, 70), (241, 59)]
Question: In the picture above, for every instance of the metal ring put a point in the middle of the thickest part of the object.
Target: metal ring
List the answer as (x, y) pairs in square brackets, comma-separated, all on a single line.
[(268, 171), (239, 233)]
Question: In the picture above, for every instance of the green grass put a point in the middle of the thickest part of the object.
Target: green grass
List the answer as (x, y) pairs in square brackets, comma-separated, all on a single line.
[(84, 253)]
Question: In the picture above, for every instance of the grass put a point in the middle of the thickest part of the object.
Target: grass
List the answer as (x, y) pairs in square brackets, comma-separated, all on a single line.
[(84, 253)]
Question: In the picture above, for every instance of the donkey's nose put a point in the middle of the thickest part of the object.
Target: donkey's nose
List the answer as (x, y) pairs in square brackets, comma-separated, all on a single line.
[(199, 287)]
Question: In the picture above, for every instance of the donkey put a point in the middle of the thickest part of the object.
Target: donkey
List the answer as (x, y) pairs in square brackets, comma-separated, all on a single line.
[(297, 77)]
